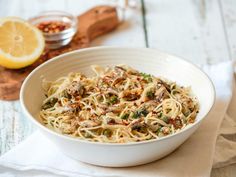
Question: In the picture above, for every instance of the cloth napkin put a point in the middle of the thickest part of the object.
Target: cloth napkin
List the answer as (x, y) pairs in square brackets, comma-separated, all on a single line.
[(37, 156), (225, 150)]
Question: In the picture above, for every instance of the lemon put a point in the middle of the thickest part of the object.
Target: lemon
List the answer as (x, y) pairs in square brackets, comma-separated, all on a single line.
[(21, 44)]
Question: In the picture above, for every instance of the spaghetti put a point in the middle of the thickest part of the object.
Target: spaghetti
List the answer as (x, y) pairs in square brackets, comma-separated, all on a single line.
[(118, 105)]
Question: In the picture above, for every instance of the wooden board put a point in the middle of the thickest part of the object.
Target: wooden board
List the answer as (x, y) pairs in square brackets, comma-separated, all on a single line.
[(92, 24)]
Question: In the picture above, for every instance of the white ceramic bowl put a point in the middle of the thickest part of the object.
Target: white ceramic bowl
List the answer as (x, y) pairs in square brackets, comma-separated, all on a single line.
[(145, 60)]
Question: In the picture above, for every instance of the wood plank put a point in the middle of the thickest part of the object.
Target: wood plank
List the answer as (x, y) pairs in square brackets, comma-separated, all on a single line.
[(228, 8), (191, 29), (13, 125)]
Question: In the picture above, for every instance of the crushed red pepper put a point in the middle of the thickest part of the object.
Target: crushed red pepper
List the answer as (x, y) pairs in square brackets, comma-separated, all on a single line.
[(53, 26)]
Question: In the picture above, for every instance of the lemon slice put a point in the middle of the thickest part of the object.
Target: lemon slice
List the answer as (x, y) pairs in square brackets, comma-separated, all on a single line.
[(21, 44)]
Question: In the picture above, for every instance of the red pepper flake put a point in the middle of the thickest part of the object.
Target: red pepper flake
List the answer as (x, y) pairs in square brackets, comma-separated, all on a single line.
[(53, 26), (176, 122)]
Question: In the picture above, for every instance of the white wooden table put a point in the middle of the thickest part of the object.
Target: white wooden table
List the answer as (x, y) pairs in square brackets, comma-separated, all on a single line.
[(202, 31)]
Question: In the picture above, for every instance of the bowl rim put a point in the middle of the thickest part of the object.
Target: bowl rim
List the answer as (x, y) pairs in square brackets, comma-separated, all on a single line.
[(70, 138)]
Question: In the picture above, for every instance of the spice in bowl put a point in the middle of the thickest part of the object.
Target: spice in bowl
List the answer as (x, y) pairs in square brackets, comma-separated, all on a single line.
[(58, 27), (53, 26)]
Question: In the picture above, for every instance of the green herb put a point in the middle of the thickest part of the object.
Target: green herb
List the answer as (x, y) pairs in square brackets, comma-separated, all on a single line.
[(165, 119), (147, 77), (139, 113), (150, 94), (159, 115), (50, 103), (144, 112), (136, 114), (158, 130), (125, 116), (107, 132), (113, 99), (139, 127)]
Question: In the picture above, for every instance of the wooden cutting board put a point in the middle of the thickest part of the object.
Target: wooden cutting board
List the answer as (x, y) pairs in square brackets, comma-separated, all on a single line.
[(93, 23)]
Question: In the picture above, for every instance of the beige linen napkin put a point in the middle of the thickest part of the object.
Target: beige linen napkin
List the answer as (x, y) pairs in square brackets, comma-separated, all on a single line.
[(225, 151), (37, 156)]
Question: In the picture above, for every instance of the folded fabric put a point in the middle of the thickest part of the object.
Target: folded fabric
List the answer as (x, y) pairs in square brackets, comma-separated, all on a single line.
[(225, 151), (37, 156)]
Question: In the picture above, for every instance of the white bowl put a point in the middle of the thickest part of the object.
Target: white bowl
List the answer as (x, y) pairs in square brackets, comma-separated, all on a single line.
[(146, 60)]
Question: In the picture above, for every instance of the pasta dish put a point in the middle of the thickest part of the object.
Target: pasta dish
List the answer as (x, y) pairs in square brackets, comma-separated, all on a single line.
[(118, 105)]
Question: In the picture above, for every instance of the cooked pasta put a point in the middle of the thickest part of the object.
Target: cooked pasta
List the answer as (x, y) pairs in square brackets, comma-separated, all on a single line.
[(118, 105)]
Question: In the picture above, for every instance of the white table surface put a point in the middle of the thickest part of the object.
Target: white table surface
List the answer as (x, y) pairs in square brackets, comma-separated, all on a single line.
[(202, 31)]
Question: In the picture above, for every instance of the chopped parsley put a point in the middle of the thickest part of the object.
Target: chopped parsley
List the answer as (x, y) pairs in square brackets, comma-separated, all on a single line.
[(158, 130), (112, 100), (150, 94), (146, 77), (165, 119), (159, 115), (125, 116), (139, 113)]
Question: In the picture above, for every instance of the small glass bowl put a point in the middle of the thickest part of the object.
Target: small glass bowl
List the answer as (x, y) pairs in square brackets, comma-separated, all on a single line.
[(58, 39)]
